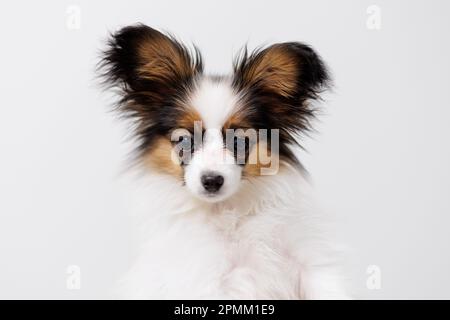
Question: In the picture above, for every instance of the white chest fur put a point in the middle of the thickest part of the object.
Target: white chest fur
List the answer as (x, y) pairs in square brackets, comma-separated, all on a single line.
[(238, 250)]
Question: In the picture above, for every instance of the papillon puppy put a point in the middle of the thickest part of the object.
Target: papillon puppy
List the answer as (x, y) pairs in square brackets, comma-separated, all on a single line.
[(226, 202)]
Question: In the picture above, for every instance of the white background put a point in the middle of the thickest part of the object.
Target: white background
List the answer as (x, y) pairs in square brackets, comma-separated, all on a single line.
[(380, 159)]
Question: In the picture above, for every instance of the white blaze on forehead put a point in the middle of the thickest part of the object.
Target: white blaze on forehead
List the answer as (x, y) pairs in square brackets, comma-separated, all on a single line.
[(215, 101)]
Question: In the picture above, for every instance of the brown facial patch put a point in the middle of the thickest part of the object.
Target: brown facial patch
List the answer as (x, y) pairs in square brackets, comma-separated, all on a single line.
[(260, 158), (237, 120), (159, 158), (188, 118), (160, 155)]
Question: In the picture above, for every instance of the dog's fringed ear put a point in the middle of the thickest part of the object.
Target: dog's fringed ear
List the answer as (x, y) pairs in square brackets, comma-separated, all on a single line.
[(148, 66), (281, 79)]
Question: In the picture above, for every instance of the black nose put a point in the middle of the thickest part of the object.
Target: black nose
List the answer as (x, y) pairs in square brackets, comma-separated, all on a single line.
[(212, 181)]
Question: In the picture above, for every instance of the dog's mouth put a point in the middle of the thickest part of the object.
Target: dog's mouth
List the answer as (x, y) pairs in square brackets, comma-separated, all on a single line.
[(212, 197)]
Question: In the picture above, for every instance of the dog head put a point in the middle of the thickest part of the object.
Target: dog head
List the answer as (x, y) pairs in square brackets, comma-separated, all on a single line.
[(211, 132)]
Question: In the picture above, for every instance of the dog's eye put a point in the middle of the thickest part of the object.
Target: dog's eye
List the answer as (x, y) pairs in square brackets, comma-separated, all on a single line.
[(240, 142), (185, 148), (185, 141), (241, 149)]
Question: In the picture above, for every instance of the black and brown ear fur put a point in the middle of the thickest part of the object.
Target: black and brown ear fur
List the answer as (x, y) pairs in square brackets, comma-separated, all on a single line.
[(278, 84), (153, 72)]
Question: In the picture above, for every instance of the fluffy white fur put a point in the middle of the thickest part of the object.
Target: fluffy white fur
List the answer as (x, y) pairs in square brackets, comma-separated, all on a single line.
[(262, 243), (259, 239)]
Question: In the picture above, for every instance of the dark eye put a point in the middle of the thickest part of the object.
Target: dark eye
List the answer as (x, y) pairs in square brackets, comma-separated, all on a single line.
[(185, 148), (185, 141), (237, 143), (241, 149)]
